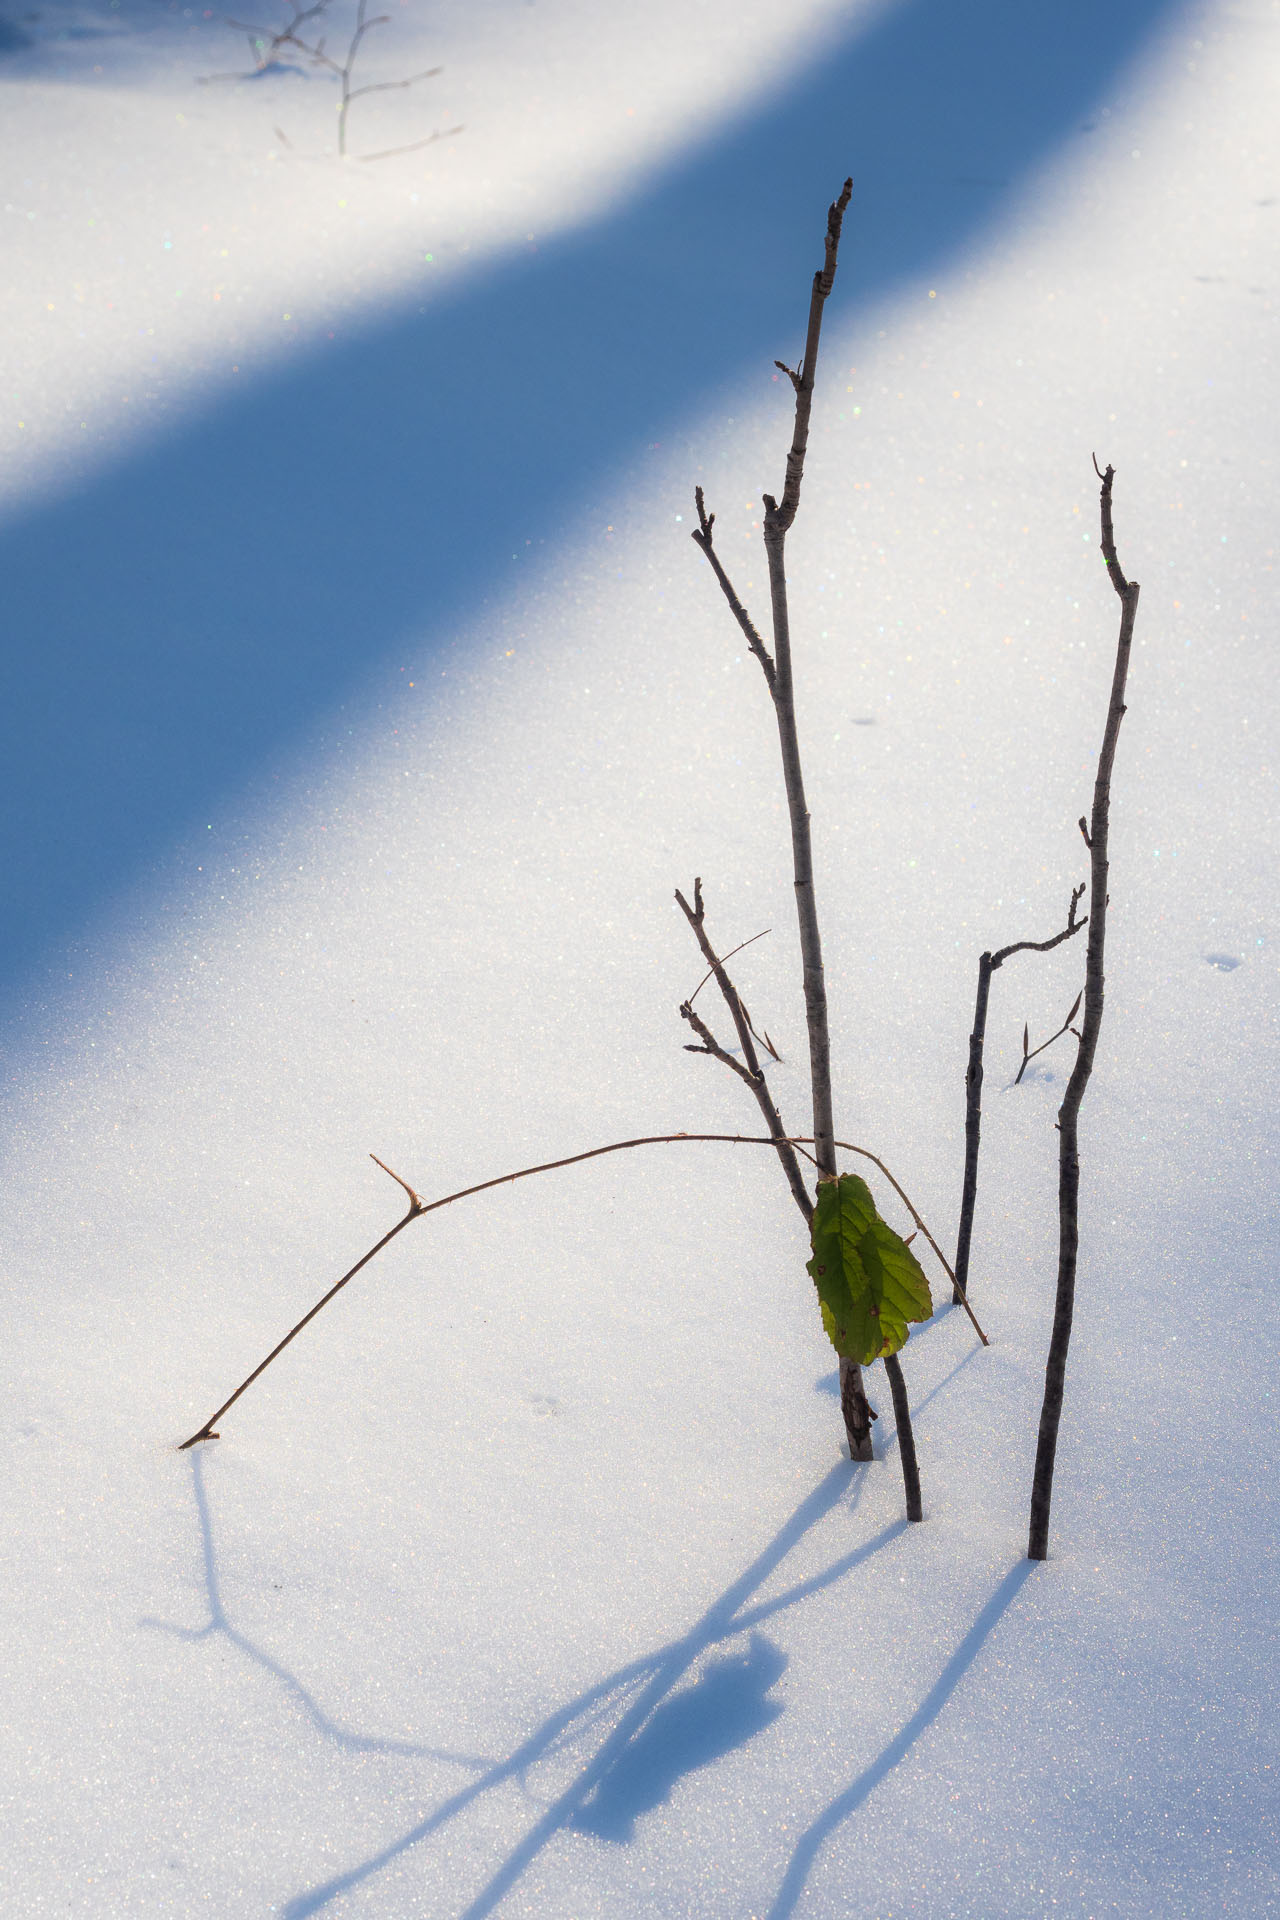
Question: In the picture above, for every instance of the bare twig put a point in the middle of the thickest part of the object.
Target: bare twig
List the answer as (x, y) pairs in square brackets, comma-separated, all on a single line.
[(777, 521), (415, 1208), (778, 518), (1069, 1111), (418, 1206), (987, 965), (415, 146), (265, 43), (749, 1070), (1029, 1052), (702, 538), (906, 1437)]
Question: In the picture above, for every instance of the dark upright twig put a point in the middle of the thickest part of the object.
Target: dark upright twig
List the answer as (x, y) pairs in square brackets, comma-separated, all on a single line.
[(1069, 1111), (777, 668), (987, 965)]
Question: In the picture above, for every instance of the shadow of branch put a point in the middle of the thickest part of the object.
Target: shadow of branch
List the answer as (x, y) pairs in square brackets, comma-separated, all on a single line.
[(218, 1624), (656, 1676), (859, 1792)]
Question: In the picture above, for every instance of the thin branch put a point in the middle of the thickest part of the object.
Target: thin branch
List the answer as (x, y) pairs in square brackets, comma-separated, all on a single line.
[(761, 1039), (415, 146), (803, 378), (1029, 1053), (418, 1207), (778, 517), (393, 86), (1091, 1025), (906, 1438), (777, 520), (750, 1070), (712, 1046), (1073, 926), (710, 973), (702, 537), (987, 965), (847, 1146)]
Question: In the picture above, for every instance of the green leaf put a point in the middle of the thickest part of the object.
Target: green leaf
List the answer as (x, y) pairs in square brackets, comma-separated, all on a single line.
[(870, 1284)]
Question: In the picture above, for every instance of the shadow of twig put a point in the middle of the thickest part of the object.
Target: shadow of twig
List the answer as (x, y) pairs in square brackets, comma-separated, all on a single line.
[(656, 1676), (854, 1796), (645, 1682), (218, 1623)]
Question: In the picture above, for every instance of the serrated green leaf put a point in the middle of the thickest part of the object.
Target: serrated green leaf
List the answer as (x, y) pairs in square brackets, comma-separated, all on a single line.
[(870, 1284)]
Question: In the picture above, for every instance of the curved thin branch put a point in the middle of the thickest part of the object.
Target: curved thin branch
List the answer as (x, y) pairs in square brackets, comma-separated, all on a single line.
[(418, 1206)]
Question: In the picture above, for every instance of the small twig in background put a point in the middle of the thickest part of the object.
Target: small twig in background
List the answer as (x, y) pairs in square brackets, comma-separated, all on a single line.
[(1069, 1111), (987, 965), (266, 44), (1029, 1052)]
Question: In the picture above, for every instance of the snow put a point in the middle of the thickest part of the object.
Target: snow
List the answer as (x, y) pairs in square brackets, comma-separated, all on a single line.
[(365, 702)]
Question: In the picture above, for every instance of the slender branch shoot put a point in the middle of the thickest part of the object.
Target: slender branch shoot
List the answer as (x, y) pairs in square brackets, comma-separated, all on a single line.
[(418, 1206), (750, 1069), (701, 537), (1091, 1026), (987, 965), (1029, 1053)]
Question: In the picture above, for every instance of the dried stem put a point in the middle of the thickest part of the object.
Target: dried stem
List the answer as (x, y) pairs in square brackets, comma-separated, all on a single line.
[(1029, 1053), (288, 36), (1069, 1111), (906, 1438), (415, 1208), (987, 965), (418, 1206), (703, 538), (748, 1068), (778, 518)]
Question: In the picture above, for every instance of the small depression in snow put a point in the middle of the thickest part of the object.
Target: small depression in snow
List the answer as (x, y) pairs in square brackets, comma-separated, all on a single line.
[(1224, 962)]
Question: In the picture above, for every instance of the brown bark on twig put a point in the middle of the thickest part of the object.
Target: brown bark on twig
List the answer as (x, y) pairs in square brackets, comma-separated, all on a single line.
[(778, 518), (987, 965), (418, 1206), (415, 1208), (1090, 1026), (748, 1068), (1030, 1053)]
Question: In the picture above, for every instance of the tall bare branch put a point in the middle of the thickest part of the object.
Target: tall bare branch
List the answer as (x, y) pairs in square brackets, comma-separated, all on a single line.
[(1090, 1027)]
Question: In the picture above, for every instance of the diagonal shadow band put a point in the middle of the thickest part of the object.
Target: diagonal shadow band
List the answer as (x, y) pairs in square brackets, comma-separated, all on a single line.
[(859, 1792), (196, 611), (657, 1675)]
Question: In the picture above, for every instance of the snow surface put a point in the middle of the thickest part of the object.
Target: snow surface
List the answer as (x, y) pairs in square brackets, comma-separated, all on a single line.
[(365, 701)]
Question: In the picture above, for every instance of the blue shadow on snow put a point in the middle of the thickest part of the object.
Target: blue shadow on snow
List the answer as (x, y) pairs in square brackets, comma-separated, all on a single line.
[(190, 612), (696, 1726), (860, 1790)]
